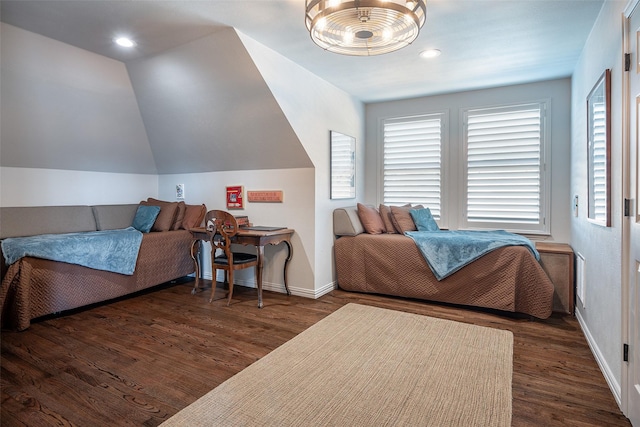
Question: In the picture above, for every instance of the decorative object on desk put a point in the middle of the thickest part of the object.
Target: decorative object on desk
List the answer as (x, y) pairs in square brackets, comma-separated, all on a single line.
[(273, 196), (599, 150), (179, 191), (343, 166), (263, 228), (234, 197), (242, 220)]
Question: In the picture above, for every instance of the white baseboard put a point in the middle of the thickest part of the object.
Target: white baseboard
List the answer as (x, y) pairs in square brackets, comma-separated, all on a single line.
[(616, 390), (278, 287), (325, 289)]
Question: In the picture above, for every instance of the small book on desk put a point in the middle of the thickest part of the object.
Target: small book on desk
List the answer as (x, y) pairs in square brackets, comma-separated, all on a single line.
[(263, 228), (242, 220)]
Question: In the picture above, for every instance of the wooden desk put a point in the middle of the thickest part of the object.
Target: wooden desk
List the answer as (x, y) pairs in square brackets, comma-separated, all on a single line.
[(259, 239)]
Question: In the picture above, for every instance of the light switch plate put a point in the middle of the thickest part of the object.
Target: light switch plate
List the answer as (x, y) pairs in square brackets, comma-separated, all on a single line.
[(179, 191)]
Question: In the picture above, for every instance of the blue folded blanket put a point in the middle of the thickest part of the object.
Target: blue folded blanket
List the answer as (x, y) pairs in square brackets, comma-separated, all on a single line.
[(448, 251), (109, 250)]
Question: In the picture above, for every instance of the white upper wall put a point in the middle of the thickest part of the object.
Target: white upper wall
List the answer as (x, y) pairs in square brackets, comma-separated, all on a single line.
[(600, 246), (314, 107), (58, 187)]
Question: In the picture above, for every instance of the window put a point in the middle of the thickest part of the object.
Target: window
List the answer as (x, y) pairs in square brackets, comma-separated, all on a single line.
[(599, 154), (412, 161), (343, 166), (504, 168)]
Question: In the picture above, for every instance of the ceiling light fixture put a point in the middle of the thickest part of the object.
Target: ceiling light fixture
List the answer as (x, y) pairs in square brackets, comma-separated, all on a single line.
[(430, 53), (364, 27), (124, 42)]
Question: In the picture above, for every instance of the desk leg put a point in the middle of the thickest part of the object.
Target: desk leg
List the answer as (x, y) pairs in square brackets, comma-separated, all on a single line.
[(195, 255), (259, 274), (286, 265)]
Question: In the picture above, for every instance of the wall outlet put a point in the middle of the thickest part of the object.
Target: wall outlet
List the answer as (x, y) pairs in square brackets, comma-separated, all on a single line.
[(575, 205), (179, 191)]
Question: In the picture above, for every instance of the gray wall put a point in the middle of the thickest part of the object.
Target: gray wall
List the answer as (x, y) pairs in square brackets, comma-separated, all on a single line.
[(199, 107), (601, 247), (207, 108), (67, 108)]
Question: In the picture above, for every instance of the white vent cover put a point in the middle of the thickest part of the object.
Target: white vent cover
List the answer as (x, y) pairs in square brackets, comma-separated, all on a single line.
[(580, 279)]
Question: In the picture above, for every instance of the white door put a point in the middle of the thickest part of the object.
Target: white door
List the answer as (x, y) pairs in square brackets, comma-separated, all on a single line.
[(631, 392)]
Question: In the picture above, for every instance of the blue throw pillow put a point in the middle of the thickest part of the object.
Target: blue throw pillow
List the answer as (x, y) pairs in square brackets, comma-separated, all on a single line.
[(424, 220), (145, 217)]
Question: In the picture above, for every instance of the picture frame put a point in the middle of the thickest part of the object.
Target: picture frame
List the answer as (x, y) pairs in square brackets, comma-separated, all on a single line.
[(599, 151), (235, 199), (343, 166)]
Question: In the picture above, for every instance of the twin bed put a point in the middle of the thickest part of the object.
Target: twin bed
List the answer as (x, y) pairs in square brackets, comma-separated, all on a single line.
[(508, 278)]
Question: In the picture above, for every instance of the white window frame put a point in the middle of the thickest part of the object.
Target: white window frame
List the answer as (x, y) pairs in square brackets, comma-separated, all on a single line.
[(443, 116), (544, 225)]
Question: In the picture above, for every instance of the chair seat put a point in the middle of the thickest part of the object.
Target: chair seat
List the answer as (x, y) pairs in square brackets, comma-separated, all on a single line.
[(238, 258)]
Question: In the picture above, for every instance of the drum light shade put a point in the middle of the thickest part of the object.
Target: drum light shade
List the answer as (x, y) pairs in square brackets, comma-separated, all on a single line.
[(364, 27)]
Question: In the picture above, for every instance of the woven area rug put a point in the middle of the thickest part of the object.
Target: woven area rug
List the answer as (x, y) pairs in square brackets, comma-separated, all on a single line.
[(367, 366)]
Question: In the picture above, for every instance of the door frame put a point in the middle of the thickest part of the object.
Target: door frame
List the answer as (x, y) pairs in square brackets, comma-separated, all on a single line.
[(627, 281)]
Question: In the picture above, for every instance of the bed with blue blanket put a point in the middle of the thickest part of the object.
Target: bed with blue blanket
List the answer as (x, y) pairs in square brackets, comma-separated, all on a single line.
[(106, 250), (495, 270), (448, 251), (60, 258)]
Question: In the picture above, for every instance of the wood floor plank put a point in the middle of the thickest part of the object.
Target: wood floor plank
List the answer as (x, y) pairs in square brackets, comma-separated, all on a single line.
[(20, 409), (139, 360), (81, 385)]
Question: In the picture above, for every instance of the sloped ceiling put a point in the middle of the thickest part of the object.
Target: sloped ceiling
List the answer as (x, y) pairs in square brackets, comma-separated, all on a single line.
[(206, 107), (199, 107), (67, 108)]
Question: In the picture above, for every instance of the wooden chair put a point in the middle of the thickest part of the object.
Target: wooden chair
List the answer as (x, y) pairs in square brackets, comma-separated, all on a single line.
[(221, 227)]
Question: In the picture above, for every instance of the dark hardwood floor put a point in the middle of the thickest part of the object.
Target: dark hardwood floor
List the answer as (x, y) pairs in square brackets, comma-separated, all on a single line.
[(137, 361)]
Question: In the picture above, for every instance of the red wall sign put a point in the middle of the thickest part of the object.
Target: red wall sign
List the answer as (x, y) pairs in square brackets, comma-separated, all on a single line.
[(235, 198)]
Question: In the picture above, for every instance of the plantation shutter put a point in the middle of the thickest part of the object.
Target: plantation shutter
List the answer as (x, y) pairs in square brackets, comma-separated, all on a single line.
[(504, 165), (412, 162), (599, 162), (342, 166)]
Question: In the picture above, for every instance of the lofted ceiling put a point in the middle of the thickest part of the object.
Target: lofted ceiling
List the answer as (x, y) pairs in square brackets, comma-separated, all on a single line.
[(484, 43)]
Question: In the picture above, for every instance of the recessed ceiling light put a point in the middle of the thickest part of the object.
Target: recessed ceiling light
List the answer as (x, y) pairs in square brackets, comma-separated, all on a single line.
[(430, 53), (124, 42)]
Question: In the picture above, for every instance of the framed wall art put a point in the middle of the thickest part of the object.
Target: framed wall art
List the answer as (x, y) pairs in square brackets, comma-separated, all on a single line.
[(235, 199), (343, 165), (599, 150)]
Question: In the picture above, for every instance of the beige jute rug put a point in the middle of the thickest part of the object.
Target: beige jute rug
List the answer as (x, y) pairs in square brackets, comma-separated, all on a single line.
[(367, 366)]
